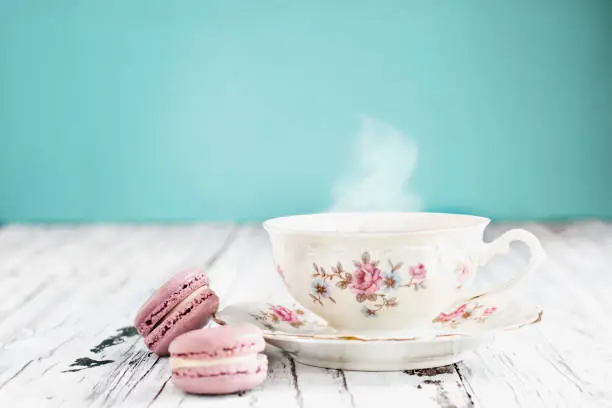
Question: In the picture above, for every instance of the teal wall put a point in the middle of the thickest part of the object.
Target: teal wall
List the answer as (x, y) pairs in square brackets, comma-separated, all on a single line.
[(182, 110)]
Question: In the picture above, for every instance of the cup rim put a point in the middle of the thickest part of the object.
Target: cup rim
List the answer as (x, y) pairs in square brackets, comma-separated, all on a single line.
[(468, 221)]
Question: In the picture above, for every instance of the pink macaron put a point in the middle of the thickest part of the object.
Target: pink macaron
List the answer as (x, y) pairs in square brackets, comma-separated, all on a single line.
[(182, 304), (221, 360)]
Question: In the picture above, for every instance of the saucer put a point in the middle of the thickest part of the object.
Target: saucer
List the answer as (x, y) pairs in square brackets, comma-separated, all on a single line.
[(445, 340)]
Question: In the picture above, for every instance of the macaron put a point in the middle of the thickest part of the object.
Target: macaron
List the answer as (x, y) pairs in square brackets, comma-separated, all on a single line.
[(182, 304), (220, 360)]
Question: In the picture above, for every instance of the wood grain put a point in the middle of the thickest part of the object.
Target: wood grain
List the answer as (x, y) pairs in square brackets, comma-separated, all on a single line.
[(69, 294)]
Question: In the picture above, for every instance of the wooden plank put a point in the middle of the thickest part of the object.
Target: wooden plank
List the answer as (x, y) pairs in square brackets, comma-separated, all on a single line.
[(95, 305), (439, 387), (565, 361)]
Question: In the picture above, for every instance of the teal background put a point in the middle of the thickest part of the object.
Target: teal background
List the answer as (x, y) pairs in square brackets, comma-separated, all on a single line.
[(148, 110)]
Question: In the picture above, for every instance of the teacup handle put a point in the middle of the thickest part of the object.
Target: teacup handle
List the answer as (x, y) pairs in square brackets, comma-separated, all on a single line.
[(501, 246)]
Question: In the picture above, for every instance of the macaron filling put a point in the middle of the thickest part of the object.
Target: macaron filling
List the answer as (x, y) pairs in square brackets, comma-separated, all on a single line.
[(242, 365), (176, 363), (177, 312), (187, 300), (219, 374)]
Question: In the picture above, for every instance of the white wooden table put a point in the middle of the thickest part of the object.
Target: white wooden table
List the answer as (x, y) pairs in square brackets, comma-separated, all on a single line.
[(68, 295)]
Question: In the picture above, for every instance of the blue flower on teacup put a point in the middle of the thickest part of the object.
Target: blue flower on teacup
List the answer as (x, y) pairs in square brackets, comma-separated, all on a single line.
[(391, 281), (320, 290)]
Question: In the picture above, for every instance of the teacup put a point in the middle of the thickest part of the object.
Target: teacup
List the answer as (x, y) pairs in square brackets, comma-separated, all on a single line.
[(383, 272)]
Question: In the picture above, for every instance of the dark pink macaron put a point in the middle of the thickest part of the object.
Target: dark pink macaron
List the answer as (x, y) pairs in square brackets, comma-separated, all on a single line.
[(182, 304), (221, 360)]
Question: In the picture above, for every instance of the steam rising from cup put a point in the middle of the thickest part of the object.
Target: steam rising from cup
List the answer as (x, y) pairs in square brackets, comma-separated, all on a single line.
[(382, 162)]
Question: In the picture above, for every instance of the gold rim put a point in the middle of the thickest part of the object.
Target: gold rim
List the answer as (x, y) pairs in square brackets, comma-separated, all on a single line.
[(534, 321), (219, 321)]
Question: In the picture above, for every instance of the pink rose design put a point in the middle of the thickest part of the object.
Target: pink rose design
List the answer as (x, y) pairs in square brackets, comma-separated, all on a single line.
[(367, 279), (446, 317), (459, 311), (418, 272), (285, 314), (489, 311)]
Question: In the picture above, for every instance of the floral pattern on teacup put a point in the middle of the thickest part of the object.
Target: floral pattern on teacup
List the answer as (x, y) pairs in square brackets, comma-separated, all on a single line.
[(278, 317), (474, 311), (368, 282)]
